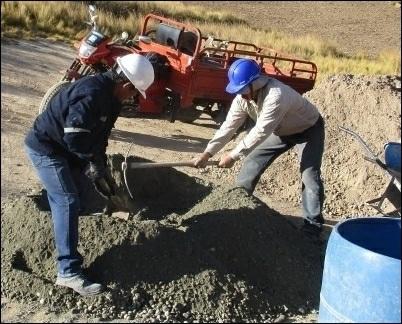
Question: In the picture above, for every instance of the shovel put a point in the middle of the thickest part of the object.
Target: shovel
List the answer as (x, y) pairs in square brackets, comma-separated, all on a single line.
[(104, 186), (147, 165)]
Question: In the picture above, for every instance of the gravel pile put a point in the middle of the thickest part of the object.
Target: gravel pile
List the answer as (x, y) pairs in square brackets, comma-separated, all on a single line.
[(225, 258)]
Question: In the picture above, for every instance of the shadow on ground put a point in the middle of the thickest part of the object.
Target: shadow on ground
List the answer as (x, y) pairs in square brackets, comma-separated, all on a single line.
[(242, 243), (178, 144)]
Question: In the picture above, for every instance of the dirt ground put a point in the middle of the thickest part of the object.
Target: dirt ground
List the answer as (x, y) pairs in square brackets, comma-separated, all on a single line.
[(368, 105)]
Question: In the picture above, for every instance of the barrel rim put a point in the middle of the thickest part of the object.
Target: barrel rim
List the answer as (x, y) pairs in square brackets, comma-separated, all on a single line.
[(361, 220)]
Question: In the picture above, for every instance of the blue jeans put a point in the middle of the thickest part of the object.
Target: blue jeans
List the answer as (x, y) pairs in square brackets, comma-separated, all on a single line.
[(310, 148), (59, 180)]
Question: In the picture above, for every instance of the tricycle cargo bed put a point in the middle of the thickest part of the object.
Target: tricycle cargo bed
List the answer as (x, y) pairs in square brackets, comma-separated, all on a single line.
[(199, 65), (298, 74)]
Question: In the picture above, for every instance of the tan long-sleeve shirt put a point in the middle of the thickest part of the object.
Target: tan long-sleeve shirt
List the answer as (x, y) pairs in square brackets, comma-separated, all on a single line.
[(279, 109)]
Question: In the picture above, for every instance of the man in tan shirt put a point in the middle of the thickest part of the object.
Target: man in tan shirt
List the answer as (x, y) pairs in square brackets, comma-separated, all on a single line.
[(283, 119)]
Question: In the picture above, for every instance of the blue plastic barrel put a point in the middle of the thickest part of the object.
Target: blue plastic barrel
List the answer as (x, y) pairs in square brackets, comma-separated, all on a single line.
[(362, 272), (392, 155)]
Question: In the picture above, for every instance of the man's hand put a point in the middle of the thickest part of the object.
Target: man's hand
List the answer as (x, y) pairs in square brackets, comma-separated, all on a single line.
[(226, 161), (96, 169), (201, 161), (105, 187)]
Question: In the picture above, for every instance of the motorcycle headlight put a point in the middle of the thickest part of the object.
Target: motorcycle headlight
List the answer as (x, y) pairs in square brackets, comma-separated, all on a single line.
[(86, 50)]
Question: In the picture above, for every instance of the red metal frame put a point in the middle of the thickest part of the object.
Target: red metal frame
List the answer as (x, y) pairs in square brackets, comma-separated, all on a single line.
[(198, 77)]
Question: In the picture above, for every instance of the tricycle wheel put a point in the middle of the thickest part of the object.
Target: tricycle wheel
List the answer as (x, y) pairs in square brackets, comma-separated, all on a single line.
[(219, 115), (172, 105), (188, 115), (53, 90)]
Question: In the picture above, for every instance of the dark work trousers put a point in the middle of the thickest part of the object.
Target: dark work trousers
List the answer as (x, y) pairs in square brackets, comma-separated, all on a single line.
[(310, 148)]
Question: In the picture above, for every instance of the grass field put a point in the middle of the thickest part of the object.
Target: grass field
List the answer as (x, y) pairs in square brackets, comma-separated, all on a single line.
[(66, 21)]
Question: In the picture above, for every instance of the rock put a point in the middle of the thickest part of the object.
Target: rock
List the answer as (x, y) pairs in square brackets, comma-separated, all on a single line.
[(301, 310), (121, 215)]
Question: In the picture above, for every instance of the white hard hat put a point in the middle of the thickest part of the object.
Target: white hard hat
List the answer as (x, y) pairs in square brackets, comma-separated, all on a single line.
[(138, 70)]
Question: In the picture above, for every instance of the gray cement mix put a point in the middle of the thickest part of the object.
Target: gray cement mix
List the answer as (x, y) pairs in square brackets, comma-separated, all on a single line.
[(189, 251)]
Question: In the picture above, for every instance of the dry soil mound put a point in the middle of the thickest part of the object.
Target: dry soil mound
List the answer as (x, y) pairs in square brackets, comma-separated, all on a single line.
[(368, 105), (227, 257)]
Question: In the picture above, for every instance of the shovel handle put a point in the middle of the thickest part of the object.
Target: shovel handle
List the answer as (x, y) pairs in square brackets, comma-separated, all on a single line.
[(145, 165)]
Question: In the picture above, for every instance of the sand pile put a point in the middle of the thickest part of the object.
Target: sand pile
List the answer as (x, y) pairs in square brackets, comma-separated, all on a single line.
[(370, 106), (206, 254)]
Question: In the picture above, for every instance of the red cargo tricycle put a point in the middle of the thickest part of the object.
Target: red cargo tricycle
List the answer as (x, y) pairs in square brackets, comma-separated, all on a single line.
[(191, 69), (198, 67)]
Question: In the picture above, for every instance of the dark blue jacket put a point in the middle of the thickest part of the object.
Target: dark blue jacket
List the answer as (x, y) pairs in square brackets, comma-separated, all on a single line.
[(78, 120)]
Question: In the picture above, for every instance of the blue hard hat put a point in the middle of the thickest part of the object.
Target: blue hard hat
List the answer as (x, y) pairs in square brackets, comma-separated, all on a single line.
[(241, 73)]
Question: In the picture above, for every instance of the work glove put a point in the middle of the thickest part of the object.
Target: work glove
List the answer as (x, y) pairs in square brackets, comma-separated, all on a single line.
[(96, 169), (105, 186)]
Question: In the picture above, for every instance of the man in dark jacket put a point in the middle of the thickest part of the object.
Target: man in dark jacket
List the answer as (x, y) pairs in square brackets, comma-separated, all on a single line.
[(74, 130)]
